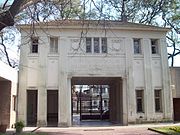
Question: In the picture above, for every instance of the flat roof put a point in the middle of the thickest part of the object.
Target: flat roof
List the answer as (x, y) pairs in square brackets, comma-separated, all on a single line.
[(94, 24)]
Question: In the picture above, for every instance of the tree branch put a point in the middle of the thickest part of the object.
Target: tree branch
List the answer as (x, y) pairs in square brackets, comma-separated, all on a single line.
[(7, 17), (5, 51)]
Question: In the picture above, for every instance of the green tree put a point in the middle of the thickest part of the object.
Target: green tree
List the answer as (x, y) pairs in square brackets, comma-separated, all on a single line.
[(31, 11), (171, 17), (165, 13)]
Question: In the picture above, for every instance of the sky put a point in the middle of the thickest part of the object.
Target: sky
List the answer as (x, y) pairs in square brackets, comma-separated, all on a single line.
[(14, 53), (2, 1), (177, 61), (9, 1)]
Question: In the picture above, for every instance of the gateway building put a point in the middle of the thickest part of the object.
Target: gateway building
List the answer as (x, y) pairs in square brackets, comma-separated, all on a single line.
[(59, 57)]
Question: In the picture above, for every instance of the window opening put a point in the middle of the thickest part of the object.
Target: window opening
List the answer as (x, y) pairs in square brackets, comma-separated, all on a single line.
[(96, 45), (158, 106), (140, 100), (53, 45), (34, 45), (104, 45), (154, 46), (88, 45), (137, 46)]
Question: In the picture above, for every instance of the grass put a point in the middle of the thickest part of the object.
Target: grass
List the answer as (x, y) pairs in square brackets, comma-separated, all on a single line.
[(173, 130)]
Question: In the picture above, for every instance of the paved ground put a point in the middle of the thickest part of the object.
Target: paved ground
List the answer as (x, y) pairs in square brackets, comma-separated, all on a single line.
[(141, 129), (114, 130)]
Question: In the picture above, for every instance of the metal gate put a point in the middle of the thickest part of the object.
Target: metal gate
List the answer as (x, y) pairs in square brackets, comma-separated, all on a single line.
[(93, 102), (176, 104)]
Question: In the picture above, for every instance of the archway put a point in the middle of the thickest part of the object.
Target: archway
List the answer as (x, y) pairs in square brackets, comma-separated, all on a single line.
[(97, 99)]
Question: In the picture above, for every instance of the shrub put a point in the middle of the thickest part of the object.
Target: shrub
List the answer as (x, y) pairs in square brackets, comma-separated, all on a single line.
[(19, 126)]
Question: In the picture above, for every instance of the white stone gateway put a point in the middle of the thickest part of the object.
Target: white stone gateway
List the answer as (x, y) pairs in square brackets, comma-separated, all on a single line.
[(131, 58)]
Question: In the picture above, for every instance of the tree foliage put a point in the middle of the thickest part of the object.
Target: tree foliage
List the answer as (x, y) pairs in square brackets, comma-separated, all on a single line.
[(49, 10), (30, 12), (164, 13)]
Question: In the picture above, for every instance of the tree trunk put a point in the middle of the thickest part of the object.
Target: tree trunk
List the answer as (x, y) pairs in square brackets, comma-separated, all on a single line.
[(7, 17)]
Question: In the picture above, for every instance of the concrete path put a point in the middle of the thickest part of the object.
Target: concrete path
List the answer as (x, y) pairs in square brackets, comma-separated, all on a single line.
[(117, 130), (141, 129)]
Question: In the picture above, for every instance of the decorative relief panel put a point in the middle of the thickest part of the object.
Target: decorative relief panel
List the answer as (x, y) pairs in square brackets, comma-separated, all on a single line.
[(76, 45), (97, 66), (138, 69), (156, 73), (52, 73), (117, 45), (32, 72)]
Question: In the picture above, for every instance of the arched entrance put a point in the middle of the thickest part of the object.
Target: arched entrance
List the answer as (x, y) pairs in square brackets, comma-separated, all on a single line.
[(97, 99)]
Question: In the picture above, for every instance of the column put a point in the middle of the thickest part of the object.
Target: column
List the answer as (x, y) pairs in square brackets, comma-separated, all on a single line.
[(69, 105), (42, 107), (64, 107), (21, 91), (22, 104), (63, 99), (166, 91), (112, 103), (148, 91), (118, 102), (42, 90), (125, 102), (130, 80)]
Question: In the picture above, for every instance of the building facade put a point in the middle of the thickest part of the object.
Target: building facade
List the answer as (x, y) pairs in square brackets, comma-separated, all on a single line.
[(175, 81), (175, 87), (130, 58), (8, 93)]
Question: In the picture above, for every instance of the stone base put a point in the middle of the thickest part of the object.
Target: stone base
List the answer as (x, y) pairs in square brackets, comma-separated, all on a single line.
[(41, 123), (144, 121), (63, 124)]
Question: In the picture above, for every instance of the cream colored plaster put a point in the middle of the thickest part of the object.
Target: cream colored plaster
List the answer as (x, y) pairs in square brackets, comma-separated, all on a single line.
[(54, 71)]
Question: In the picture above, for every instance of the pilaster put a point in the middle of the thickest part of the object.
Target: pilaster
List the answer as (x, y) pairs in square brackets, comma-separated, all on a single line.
[(42, 91), (22, 79), (166, 91), (148, 91), (22, 104), (118, 101), (125, 102), (42, 107), (130, 79), (64, 107), (69, 107)]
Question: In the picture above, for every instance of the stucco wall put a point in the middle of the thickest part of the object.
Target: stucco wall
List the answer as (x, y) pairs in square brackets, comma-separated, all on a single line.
[(10, 76), (5, 100), (175, 81), (44, 71)]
